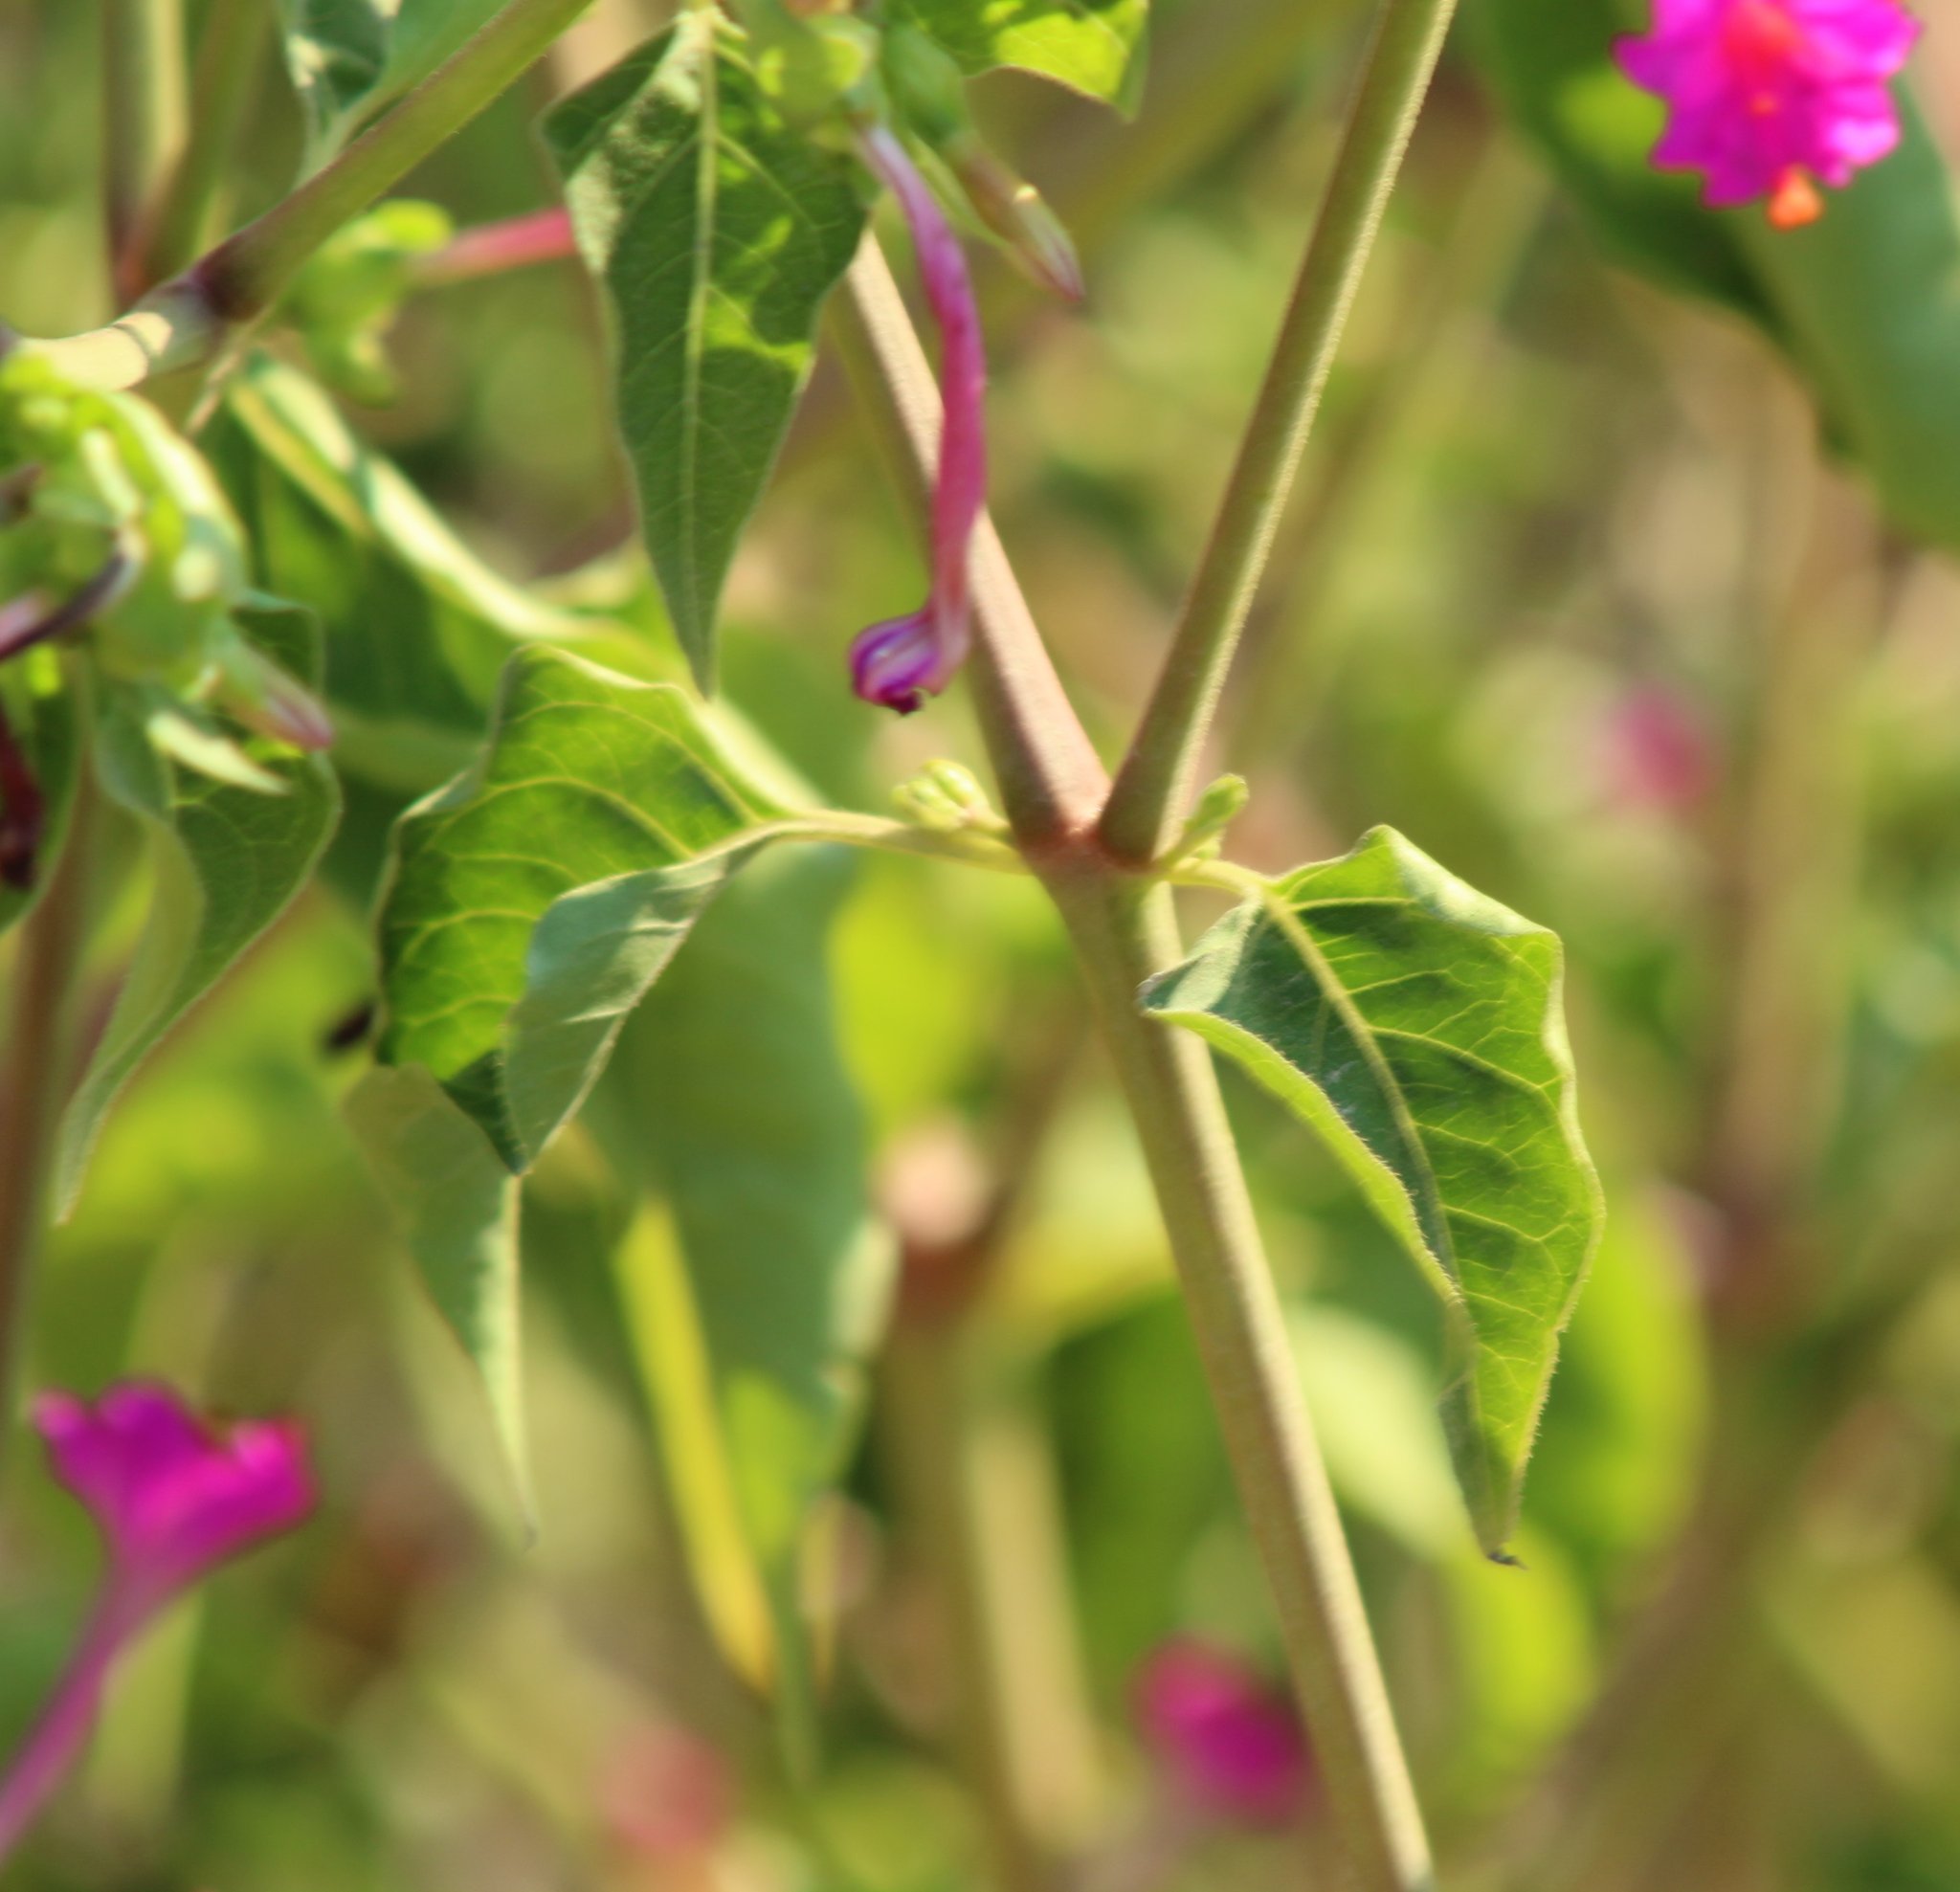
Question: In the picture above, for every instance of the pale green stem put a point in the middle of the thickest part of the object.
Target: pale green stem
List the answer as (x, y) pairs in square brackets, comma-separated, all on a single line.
[(1124, 930), (143, 115), (190, 320), (1123, 934), (1155, 781), (229, 47), (1051, 781)]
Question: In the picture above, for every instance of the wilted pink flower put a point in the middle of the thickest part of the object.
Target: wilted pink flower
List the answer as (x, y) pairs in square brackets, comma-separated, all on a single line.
[(901, 663), (173, 1501), (1769, 97), (1231, 1744)]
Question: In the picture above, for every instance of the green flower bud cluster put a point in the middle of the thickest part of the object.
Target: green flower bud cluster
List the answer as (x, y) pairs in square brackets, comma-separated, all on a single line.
[(115, 535)]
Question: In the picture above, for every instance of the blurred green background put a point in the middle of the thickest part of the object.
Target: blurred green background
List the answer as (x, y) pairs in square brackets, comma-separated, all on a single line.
[(1572, 599)]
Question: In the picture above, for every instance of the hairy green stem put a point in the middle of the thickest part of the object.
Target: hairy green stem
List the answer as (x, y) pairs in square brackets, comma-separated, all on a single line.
[(229, 46), (1158, 774), (1124, 930), (190, 318), (1123, 934), (1051, 781), (39, 1068), (143, 115)]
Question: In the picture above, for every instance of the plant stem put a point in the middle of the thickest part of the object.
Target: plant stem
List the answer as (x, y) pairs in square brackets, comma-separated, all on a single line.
[(190, 320), (1123, 932), (228, 50), (143, 114), (39, 1069), (1157, 776), (1052, 783)]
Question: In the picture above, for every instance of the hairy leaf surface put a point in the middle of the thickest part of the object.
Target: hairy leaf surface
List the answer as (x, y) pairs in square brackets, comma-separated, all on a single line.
[(718, 231), (1416, 1026)]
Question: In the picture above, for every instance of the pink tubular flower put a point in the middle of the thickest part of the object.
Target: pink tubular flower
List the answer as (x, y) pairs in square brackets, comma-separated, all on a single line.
[(901, 663), (1767, 96), (1233, 1747), (172, 1502)]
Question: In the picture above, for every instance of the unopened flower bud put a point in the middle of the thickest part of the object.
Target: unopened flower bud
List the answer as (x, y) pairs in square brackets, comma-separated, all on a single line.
[(1018, 215)]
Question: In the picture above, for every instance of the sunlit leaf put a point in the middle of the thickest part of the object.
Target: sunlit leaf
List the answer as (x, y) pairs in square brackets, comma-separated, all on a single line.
[(1416, 1026), (228, 860), (457, 1207), (1864, 302), (730, 1097), (718, 231), (534, 900), (1095, 46)]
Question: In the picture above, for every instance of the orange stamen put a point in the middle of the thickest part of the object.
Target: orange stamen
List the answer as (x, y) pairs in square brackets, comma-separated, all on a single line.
[(1797, 201)]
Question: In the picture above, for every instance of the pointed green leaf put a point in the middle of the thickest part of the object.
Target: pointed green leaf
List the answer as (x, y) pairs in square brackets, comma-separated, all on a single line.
[(1862, 302), (1098, 46), (1416, 1026), (349, 57), (718, 231), (229, 861), (729, 1097), (534, 900), (457, 1207)]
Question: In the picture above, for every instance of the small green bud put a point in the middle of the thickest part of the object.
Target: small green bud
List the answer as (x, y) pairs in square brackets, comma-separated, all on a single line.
[(949, 800), (1217, 809)]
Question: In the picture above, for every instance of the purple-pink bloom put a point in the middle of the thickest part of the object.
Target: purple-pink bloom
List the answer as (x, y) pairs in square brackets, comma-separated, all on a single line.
[(1769, 97), (902, 661), (1231, 1744), (173, 1501)]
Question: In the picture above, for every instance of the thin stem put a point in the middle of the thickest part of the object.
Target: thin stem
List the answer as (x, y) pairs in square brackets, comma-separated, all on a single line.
[(229, 46), (34, 1082), (189, 320), (143, 113), (245, 276), (1123, 934), (1156, 778), (1051, 781)]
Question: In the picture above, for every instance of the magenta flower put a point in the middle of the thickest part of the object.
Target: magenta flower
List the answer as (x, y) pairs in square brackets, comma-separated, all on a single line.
[(172, 1502), (901, 663), (1233, 1747), (1768, 97)]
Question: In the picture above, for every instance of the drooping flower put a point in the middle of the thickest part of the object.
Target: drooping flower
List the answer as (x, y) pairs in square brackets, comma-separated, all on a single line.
[(1233, 1746), (173, 1501), (902, 661), (1769, 98)]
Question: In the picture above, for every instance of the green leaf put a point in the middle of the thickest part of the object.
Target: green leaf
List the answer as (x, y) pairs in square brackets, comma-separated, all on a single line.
[(39, 704), (1416, 1026), (418, 629), (349, 57), (729, 1097), (717, 231), (457, 1207), (534, 900), (1863, 303), (229, 861), (1095, 47)]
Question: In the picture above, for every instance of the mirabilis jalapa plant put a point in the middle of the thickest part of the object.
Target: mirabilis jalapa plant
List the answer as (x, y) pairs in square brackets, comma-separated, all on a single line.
[(718, 182)]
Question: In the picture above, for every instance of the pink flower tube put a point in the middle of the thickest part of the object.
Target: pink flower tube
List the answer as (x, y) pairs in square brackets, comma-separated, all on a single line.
[(173, 1502), (901, 663), (1766, 98)]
